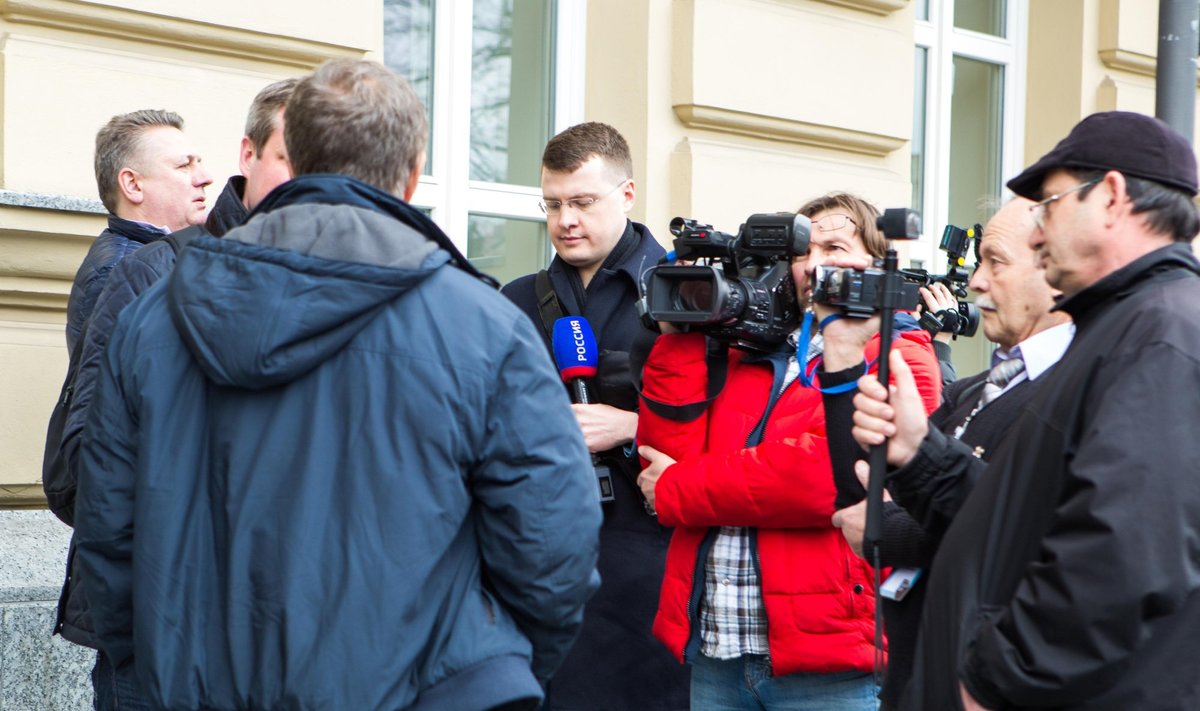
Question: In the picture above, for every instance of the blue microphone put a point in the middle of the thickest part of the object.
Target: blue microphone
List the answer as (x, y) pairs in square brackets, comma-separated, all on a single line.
[(576, 355)]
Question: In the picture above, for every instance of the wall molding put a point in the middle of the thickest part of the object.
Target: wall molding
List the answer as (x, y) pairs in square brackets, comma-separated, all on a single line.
[(779, 129), (875, 7), (1133, 62), (180, 33), (22, 496)]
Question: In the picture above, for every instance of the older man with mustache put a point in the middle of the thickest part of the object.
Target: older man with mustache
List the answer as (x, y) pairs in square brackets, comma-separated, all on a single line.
[(1014, 301)]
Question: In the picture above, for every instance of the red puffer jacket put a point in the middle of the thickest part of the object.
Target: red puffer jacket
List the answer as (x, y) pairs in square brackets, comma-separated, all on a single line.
[(816, 591)]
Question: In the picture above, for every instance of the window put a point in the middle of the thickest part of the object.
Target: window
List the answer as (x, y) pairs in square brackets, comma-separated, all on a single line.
[(967, 121), (499, 78)]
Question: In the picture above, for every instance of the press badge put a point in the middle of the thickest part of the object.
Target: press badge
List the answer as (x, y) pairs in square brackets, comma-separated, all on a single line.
[(899, 583)]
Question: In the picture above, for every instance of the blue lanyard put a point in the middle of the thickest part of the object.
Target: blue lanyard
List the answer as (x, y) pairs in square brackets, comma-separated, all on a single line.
[(807, 370)]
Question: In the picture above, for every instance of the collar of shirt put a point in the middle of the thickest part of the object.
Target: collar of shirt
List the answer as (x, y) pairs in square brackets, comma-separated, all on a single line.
[(1044, 348)]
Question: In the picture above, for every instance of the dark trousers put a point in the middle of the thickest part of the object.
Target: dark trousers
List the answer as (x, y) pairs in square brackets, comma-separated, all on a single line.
[(116, 689)]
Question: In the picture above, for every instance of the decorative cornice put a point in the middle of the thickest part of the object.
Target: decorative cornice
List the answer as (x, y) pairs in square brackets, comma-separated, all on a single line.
[(876, 7), (1134, 62), (778, 129), (122, 23)]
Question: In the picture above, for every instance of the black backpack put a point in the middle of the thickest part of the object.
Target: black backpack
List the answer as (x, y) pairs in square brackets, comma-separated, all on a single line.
[(58, 481)]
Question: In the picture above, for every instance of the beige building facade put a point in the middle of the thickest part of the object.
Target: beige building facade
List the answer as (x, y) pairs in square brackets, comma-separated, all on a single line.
[(732, 107)]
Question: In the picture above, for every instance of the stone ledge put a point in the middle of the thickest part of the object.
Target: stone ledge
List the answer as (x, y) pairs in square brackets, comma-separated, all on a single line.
[(44, 201)]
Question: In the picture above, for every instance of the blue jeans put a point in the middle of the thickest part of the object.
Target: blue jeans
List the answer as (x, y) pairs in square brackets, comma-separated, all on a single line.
[(745, 684), (116, 689)]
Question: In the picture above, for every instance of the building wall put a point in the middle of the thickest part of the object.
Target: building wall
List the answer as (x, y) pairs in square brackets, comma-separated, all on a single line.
[(65, 68), (731, 107)]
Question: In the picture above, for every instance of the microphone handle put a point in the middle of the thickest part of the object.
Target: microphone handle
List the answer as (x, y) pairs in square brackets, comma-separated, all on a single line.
[(581, 394)]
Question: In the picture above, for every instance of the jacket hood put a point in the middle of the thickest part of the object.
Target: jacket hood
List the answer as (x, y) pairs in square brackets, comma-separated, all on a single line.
[(282, 294)]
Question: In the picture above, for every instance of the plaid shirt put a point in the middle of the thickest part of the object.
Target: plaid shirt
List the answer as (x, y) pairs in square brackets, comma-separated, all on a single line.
[(733, 621)]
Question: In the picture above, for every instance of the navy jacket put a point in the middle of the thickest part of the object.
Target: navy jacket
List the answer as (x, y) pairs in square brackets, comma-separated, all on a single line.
[(121, 239), (126, 279), (342, 469), (617, 663)]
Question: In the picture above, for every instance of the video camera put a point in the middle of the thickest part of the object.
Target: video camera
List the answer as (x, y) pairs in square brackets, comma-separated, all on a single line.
[(964, 320), (745, 294), (859, 292)]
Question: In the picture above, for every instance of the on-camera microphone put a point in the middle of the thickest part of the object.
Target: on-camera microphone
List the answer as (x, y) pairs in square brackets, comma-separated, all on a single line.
[(576, 355)]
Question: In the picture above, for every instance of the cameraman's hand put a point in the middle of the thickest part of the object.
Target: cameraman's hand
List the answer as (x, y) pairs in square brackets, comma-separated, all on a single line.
[(845, 337), (605, 426), (852, 520), (937, 297), (649, 476), (902, 419)]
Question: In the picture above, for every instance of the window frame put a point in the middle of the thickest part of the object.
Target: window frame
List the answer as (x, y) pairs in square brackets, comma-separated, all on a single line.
[(943, 42), (447, 192)]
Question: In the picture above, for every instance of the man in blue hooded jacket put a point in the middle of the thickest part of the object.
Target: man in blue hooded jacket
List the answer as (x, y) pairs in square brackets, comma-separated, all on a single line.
[(335, 471)]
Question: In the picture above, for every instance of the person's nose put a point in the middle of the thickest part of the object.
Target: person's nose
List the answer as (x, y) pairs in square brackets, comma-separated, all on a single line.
[(201, 177), (978, 281)]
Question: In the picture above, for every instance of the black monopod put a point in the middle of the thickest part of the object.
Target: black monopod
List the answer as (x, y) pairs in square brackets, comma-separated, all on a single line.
[(896, 223)]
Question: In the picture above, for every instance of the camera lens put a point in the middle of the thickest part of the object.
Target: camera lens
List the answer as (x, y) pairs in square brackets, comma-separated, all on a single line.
[(695, 296)]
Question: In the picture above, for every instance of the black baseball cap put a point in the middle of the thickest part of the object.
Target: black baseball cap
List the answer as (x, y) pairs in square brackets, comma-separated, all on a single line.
[(1135, 144)]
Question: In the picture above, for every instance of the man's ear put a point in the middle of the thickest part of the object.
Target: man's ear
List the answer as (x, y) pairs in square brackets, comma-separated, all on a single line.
[(414, 177), (248, 151), (129, 183), (628, 195)]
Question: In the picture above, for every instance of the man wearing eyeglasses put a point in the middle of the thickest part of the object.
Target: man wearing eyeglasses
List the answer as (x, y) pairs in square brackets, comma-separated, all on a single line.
[(600, 254), (1069, 577)]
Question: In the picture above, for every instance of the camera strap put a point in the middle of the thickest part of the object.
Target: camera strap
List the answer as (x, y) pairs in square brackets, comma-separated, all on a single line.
[(716, 360)]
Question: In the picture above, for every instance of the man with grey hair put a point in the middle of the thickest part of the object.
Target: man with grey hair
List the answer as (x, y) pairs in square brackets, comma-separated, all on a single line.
[(151, 181), (327, 465), (263, 166)]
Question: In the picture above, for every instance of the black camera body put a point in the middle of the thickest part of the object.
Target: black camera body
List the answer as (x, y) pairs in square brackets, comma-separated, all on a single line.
[(859, 293), (745, 294), (964, 320)]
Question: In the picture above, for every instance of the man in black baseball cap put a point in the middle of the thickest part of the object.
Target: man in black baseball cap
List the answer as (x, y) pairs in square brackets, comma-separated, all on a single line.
[(1069, 576)]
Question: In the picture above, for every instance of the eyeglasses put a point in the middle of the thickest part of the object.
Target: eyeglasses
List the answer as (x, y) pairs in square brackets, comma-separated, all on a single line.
[(553, 207), (833, 223), (1038, 210)]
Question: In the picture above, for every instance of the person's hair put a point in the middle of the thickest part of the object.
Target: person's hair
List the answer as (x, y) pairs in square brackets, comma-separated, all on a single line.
[(576, 146), (356, 118), (117, 145), (1168, 211), (862, 212), (263, 117)]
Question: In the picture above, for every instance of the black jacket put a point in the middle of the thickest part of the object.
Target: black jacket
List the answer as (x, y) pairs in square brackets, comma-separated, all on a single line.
[(616, 662), (124, 281), (1069, 578), (906, 544)]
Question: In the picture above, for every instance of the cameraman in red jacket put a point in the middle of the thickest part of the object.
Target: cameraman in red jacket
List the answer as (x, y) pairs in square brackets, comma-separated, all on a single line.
[(762, 595)]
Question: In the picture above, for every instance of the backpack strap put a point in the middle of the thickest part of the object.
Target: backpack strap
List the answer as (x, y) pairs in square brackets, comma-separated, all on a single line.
[(549, 307)]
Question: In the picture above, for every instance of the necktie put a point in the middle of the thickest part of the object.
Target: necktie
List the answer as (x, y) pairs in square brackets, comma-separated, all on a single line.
[(999, 377)]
